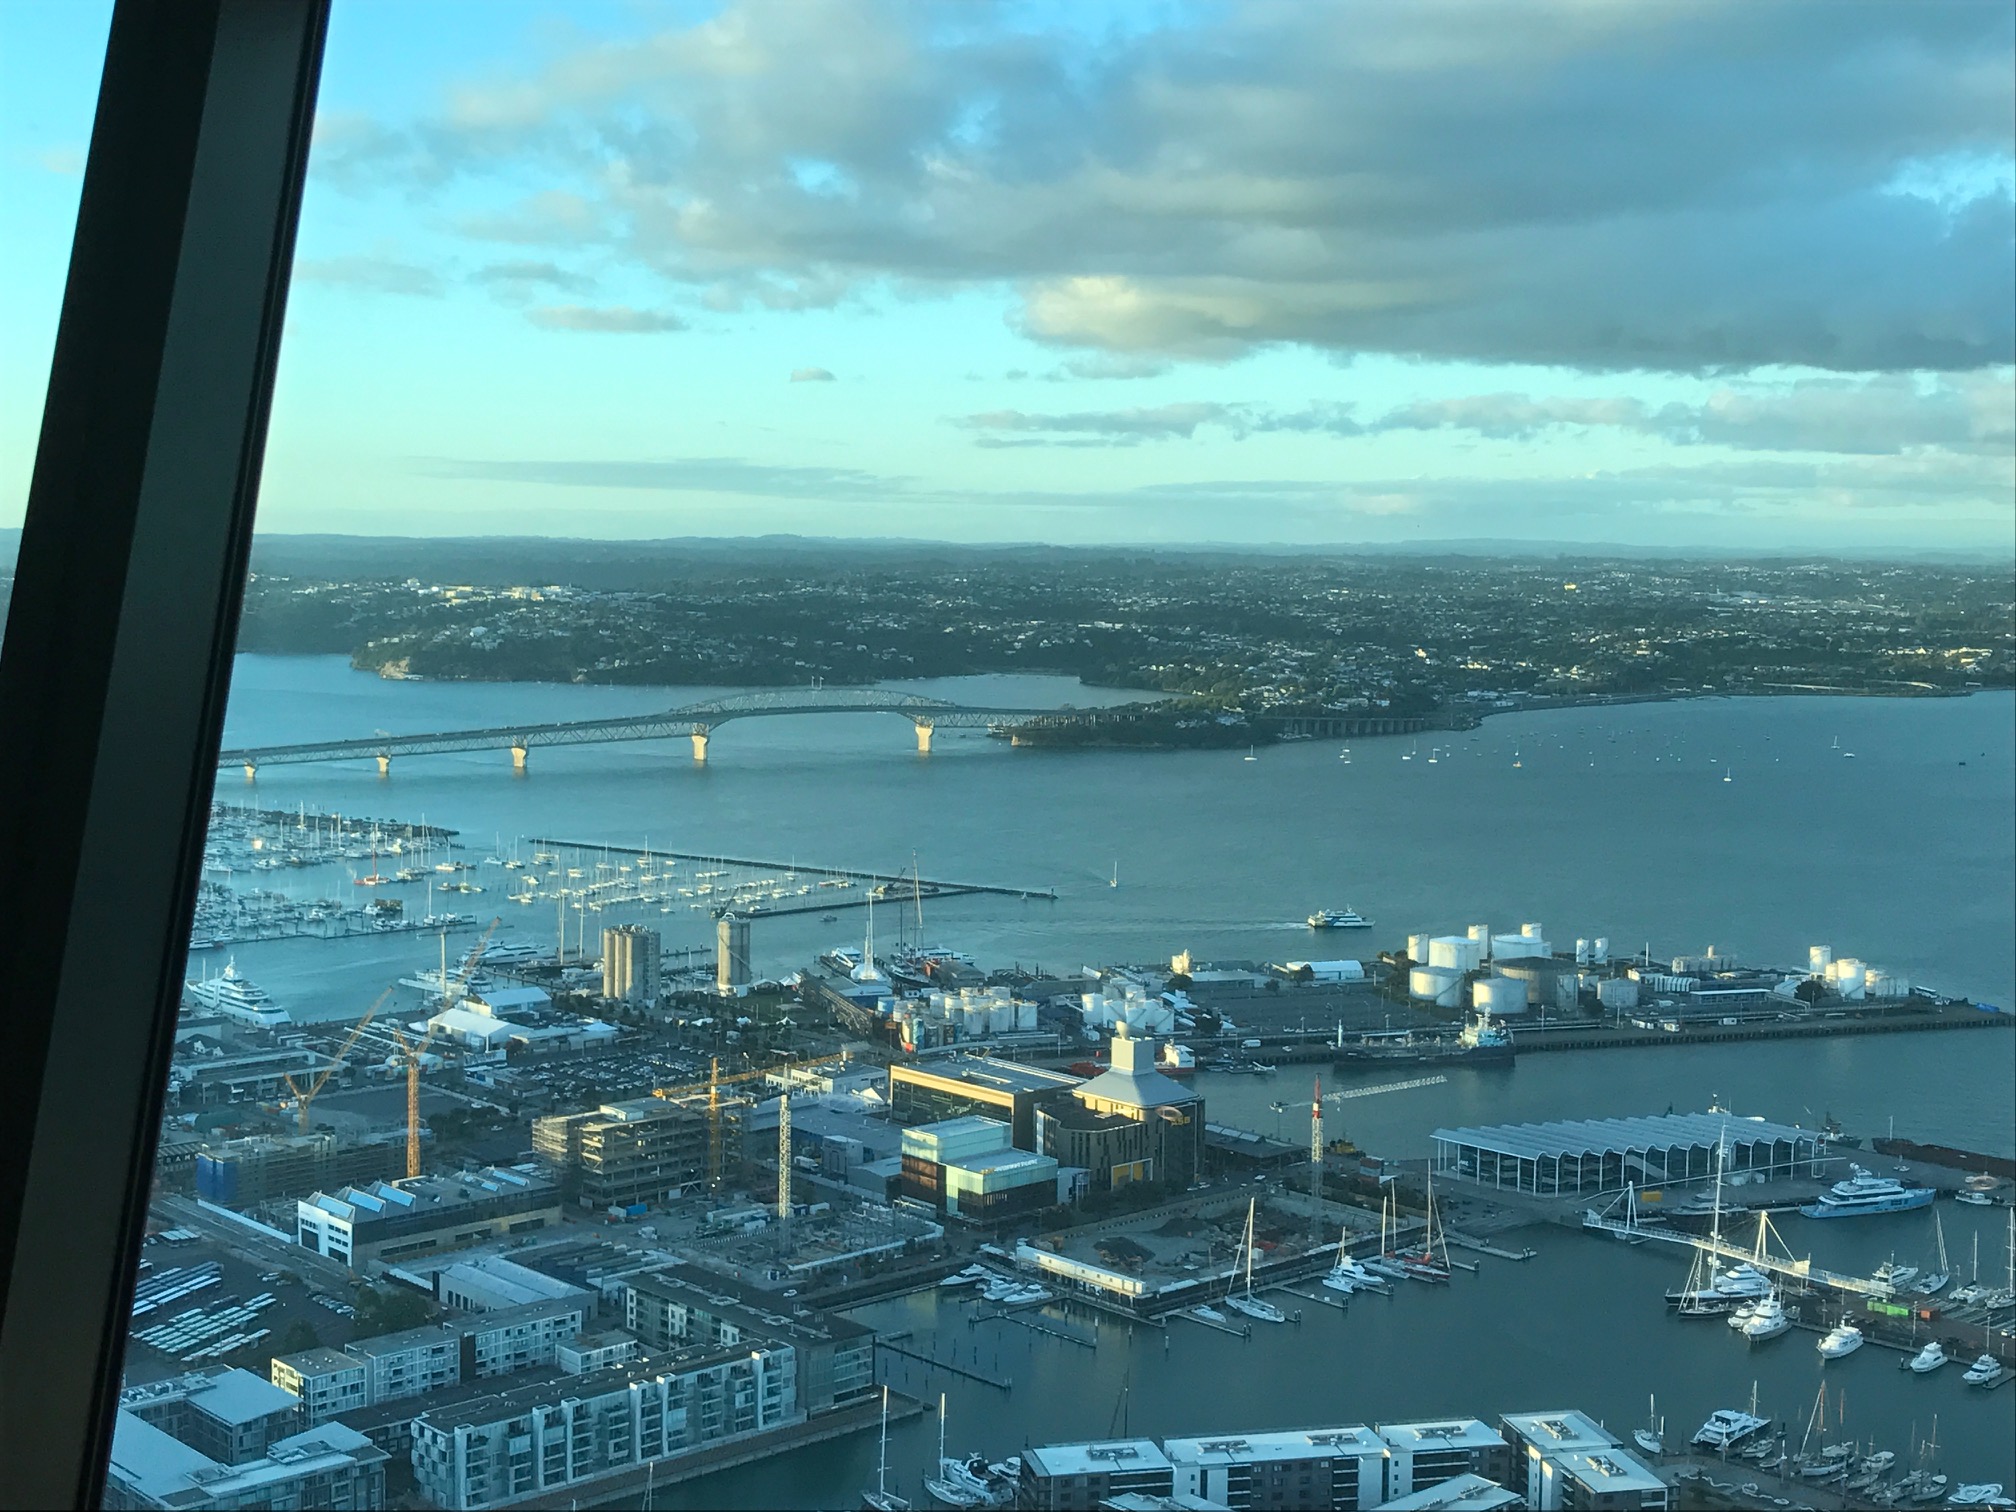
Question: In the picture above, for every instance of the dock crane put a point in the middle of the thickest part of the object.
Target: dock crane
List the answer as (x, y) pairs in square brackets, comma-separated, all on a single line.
[(1317, 1146), (712, 1087), (411, 1053), (303, 1099)]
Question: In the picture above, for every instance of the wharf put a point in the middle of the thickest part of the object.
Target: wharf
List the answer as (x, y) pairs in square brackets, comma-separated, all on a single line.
[(1033, 1325), (1908, 1021), (1003, 1383), (1237, 1330), (932, 888), (1478, 1246)]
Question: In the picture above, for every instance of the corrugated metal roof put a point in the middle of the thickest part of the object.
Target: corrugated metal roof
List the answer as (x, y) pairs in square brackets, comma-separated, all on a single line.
[(1596, 1135)]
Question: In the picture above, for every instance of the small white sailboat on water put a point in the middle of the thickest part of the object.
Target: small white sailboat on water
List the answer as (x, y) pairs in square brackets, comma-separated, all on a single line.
[(1246, 1302)]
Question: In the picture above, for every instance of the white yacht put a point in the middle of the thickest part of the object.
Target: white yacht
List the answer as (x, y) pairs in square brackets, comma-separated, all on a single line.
[(1727, 1428), (1928, 1359), (1977, 1494), (1767, 1322), (1742, 1280), (1895, 1276), (236, 998), (1983, 1372), (1844, 1340), (1863, 1194)]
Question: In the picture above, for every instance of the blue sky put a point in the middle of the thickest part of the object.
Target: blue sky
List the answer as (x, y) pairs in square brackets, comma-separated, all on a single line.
[(1711, 274)]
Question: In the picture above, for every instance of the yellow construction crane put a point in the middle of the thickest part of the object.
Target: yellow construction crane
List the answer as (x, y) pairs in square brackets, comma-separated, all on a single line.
[(712, 1087), (412, 1053), (303, 1099)]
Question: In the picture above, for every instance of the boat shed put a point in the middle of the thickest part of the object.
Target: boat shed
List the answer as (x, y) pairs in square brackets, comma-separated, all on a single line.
[(1608, 1154)]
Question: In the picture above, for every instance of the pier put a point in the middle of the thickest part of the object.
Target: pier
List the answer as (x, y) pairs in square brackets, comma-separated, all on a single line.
[(1034, 1325), (1478, 1246), (931, 888), (999, 1384)]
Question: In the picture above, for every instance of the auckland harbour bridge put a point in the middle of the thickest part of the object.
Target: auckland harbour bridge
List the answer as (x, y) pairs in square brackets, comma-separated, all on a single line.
[(698, 721), (695, 722)]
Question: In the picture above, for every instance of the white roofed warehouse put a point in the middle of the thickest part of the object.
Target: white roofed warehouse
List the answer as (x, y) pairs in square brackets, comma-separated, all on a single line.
[(1609, 1154)]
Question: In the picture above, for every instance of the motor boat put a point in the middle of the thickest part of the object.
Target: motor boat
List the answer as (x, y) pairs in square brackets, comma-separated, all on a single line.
[(1767, 1322), (1862, 1194), (1741, 1314), (1977, 1494), (1983, 1372), (1928, 1359), (1844, 1340), (1728, 1427)]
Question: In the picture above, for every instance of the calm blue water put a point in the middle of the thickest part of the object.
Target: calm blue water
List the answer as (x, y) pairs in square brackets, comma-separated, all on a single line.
[(1614, 823)]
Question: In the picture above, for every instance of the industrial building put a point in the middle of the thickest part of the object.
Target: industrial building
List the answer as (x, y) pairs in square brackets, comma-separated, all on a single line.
[(965, 1168), (622, 1153), (732, 971), (391, 1220), (242, 1173), (1129, 1123), (218, 1439), (1573, 1461), (930, 1091), (397, 1367), (1606, 1155), (630, 955)]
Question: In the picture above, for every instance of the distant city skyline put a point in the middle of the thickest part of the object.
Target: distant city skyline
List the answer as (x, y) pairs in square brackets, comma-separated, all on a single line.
[(1710, 276)]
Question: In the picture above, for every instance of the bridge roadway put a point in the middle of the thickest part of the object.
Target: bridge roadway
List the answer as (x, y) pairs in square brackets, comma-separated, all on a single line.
[(695, 722)]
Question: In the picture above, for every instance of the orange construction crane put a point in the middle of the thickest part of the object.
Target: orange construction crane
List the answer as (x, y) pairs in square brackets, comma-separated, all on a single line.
[(303, 1099), (411, 1054)]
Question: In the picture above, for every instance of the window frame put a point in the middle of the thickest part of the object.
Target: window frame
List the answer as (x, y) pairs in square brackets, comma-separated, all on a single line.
[(115, 670)]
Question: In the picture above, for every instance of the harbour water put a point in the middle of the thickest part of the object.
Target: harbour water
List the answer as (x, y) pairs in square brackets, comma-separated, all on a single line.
[(1614, 822)]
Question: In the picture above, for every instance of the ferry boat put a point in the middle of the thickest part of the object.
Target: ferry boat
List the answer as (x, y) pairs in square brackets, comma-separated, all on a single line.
[(233, 997), (1863, 1194), (1727, 1428), (1338, 918)]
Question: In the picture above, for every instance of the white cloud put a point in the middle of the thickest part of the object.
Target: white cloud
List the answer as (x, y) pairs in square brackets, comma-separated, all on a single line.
[(612, 319)]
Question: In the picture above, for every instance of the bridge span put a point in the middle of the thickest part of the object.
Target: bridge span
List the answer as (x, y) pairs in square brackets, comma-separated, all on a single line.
[(695, 722)]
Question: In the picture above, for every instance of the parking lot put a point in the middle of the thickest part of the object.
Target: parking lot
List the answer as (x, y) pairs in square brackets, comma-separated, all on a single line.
[(203, 1304)]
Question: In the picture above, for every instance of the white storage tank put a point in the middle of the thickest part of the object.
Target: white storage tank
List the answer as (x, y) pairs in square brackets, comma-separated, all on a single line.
[(1884, 984), (1436, 984), (1581, 952), (1498, 995), (1819, 958), (1617, 994), (1455, 952), (1417, 948), (1599, 950), (1516, 947), (1480, 936), (1533, 931), (1001, 1018), (1025, 1016)]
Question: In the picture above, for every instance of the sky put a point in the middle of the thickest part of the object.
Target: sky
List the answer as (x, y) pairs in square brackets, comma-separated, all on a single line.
[(1713, 274)]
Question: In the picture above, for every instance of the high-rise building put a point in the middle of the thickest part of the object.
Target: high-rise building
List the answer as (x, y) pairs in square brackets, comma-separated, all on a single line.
[(630, 963), (731, 954)]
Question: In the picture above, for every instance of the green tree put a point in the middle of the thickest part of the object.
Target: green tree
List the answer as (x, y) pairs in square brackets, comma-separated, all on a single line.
[(383, 1310), (295, 1337), (1810, 991)]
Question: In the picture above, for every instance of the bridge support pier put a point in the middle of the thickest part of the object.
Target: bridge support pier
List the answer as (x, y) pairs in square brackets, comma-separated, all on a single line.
[(700, 746), (251, 772), (384, 766), (518, 755), (923, 738)]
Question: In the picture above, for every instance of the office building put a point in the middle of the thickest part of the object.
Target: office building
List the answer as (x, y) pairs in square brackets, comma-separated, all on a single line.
[(544, 1437), (224, 1439), (630, 963), (964, 1167), (1308, 1470), (1128, 1124), (681, 1306), (732, 971), (396, 1367), (243, 1173), (1569, 1460), (1084, 1477), (958, 1085), (643, 1150), (395, 1220)]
